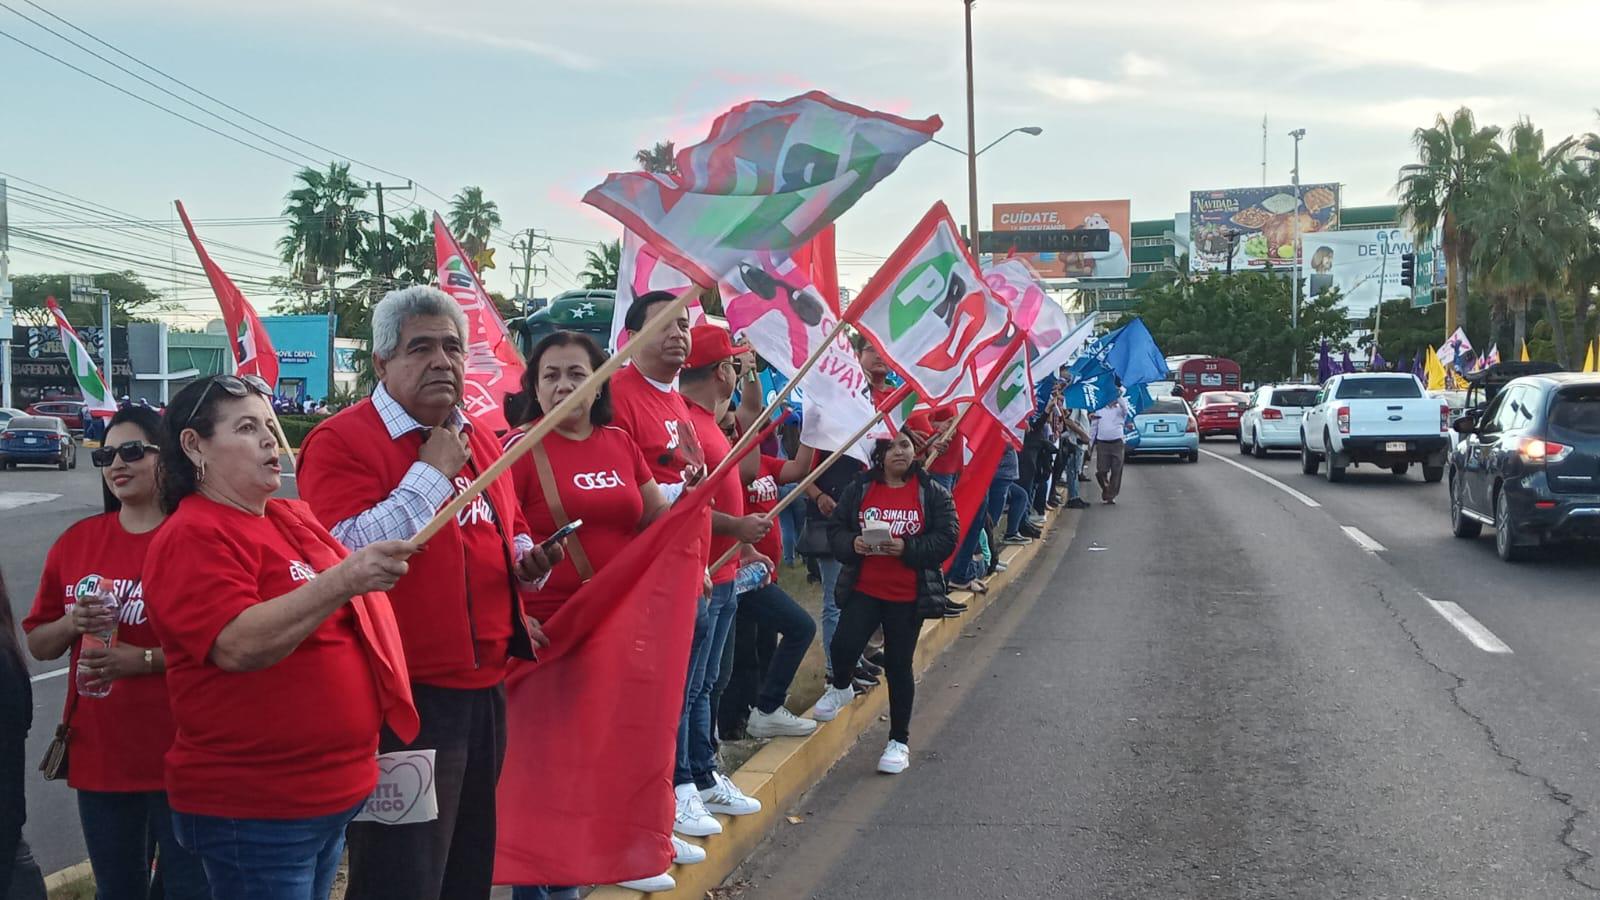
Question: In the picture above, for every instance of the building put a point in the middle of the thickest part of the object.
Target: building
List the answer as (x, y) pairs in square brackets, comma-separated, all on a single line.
[(305, 370)]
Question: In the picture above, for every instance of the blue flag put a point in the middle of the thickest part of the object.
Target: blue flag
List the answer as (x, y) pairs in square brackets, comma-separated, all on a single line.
[(1092, 390), (1130, 352)]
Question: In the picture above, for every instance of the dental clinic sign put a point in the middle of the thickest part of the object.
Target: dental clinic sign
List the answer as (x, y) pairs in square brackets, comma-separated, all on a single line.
[(1363, 264)]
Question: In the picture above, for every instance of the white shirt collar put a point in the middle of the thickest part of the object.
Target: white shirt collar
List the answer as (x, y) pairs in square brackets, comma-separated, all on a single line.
[(665, 387), (400, 423)]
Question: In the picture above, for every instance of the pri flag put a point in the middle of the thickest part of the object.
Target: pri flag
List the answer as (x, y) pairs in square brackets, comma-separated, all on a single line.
[(1052, 338), (1008, 397), (96, 396), (971, 493), (252, 349), (770, 176), (928, 310), (494, 367), (640, 270)]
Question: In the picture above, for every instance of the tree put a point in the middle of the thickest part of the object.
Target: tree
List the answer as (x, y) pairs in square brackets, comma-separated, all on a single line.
[(473, 221), (600, 267), (1452, 158), (411, 258), (662, 159), (1579, 180), (325, 221), (131, 299)]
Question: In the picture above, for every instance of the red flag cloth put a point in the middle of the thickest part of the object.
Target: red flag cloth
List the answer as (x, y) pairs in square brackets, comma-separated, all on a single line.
[(986, 444), (494, 367), (252, 349), (820, 261), (591, 728)]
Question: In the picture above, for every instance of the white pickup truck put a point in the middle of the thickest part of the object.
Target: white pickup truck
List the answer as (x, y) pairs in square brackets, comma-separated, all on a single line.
[(1385, 419)]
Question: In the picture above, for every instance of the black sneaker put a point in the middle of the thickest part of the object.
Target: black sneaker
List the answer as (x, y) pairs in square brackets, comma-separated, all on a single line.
[(863, 677), (1052, 503), (952, 610), (1029, 531), (1077, 503), (870, 668), (876, 657), (956, 605)]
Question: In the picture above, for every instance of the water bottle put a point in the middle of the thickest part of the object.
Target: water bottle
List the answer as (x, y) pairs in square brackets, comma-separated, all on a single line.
[(94, 592), (749, 577)]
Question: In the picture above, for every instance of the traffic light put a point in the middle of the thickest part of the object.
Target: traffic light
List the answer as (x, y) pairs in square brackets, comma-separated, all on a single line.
[(1408, 269)]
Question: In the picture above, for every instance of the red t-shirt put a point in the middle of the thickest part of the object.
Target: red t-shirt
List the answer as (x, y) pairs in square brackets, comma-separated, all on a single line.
[(658, 421), (886, 577), (760, 496), (729, 497), (295, 740), (950, 461), (598, 481), (118, 741)]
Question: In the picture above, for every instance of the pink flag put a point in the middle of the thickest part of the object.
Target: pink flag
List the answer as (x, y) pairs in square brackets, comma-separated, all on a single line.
[(640, 270), (494, 367), (252, 349)]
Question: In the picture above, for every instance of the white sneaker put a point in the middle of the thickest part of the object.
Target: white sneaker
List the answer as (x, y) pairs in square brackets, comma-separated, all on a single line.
[(657, 885), (726, 798), (1036, 520), (692, 817), (685, 853), (896, 757), (778, 723), (833, 700)]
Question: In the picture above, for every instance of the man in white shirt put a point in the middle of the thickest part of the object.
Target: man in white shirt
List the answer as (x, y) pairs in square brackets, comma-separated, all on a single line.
[(1109, 423)]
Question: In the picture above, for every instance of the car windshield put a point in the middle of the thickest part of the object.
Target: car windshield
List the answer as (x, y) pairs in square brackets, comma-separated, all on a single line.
[(1166, 408), (1576, 413), (35, 423), (1296, 397), (1386, 388)]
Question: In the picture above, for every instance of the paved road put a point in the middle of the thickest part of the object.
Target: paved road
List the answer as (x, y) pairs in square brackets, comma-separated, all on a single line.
[(1214, 689)]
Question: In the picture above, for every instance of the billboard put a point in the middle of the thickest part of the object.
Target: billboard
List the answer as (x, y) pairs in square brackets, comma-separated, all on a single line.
[(1113, 215), (1363, 264), (1257, 224)]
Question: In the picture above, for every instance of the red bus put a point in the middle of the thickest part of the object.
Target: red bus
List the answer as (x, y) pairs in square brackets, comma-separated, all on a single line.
[(1196, 375)]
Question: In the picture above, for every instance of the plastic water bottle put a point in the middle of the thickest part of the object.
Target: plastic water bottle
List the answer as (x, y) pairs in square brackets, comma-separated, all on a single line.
[(749, 577), (94, 592)]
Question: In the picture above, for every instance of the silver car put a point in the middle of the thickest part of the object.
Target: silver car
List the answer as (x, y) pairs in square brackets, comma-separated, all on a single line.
[(1271, 421)]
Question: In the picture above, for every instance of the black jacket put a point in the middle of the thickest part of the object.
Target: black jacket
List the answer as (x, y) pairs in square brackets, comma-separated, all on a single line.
[(926, 552)]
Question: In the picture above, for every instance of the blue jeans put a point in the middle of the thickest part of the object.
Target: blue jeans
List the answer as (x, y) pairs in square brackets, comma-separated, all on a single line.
[(961, 567), (772, 607), (790, 521), (1070, 473), (1016, 508), (697, 753), (118, 829), (830, 569), (266, 859)]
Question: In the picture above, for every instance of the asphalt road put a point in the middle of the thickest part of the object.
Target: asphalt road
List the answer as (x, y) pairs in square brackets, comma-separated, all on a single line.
[(1214, 689)]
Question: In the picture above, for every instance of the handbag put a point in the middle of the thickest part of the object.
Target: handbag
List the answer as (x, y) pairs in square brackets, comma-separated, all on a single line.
[(54, 765), (813, 538), (552, 499)]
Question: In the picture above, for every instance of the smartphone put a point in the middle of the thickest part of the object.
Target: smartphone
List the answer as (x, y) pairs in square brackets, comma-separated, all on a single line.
[(561, 532)]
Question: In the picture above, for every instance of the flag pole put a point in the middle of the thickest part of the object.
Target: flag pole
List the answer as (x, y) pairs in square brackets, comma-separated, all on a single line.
[(811, 477), (948, 432), (553, 417), (277, 428)]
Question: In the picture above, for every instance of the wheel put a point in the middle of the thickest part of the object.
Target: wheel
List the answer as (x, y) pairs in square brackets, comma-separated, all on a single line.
[(1506, 539), (1256, 448), (1433, 474), (1335, 471), (1244, 449), (1460, 524), (1308, 460), (1400, 468), (62, 465), (1194, 456)]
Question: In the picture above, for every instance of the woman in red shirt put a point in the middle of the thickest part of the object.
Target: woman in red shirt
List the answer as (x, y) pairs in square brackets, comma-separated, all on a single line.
[(893, 529), (116, 740), (283, 657)]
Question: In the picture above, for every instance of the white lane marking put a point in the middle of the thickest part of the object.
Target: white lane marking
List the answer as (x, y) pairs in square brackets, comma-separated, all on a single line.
[(1363, 539), (53, 673), (1267, 478), (14, 499), (1481, 637)]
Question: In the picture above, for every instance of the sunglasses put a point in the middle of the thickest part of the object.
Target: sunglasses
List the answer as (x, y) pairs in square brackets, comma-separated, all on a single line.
[(131, 451), (235, 385)]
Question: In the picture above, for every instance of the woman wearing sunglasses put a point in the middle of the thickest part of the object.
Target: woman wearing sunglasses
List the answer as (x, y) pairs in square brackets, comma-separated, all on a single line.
[(116, 742), (283, 656)]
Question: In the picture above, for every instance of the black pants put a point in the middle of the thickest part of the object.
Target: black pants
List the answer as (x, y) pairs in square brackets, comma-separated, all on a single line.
[(453, 856), (859, 616), (20, 878)]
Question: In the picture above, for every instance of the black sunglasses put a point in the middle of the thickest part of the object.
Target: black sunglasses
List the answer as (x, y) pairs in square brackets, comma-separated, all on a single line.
[(235, 385), (130, 451)]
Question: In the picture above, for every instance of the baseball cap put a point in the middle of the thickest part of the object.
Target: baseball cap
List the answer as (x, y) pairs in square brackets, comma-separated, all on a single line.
[(710, 344)]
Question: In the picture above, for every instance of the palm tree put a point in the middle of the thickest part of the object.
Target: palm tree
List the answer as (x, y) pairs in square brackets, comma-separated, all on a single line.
[(414, 258), (662, 159), (600, 268), (324, 224), (473, 219), (1453, 155), (1580, 182)]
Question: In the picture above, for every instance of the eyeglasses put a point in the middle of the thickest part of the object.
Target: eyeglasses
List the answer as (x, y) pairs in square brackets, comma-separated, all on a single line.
[(235, 385), (131, 451)]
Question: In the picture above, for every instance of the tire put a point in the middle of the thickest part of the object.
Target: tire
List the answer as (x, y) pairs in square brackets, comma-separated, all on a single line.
[(1460, 525), (1194, 456), (1505, 532), (62, 465), (1256, 448), (1433, 474), (1335, 471), (1400, 469), (1308, 460), (1244, 449)]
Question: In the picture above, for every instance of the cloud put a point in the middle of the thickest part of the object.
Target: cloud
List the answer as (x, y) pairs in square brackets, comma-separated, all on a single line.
[(1135, 65), (561, 56), (1072, 89)]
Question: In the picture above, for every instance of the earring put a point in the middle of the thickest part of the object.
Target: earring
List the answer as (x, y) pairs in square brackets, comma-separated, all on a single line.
[(202, 471)]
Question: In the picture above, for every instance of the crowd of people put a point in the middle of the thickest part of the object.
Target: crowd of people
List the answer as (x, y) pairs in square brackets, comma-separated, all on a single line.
[(267, 650)]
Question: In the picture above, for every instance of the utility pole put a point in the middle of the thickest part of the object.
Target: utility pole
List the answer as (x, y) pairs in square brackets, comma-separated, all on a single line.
[(1294, 306), (1383, 281), (972, 141), (1263, 150), (384, 262), (530, 242), (5, 301)]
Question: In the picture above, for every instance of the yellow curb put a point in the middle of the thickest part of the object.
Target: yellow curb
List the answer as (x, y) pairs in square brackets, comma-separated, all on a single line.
[(780, 772), (55, 881)]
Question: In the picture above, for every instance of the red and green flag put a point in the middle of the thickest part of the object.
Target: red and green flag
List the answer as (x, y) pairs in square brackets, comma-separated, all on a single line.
[(252, 349), (80, 359)]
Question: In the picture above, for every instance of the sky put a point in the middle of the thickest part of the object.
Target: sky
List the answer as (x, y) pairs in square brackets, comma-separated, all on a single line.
[(535, 101)]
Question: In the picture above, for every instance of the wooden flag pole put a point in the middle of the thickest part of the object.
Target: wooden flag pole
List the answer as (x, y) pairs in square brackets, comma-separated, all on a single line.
[(277, 427), (553, 417), (810, 479), (949, 431)]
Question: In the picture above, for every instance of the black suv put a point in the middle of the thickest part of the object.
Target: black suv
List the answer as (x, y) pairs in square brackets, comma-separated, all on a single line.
[(1530, 466)]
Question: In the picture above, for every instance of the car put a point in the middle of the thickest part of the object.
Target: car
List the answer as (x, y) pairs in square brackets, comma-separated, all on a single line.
[(1167, 426), (7, 413), (68, 411), (1217, 412), (1271, 418), (1529, 467), (1380, 418), (38, 441)]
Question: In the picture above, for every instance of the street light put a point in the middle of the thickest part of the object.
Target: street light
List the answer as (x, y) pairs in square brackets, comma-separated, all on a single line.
[(1031, 130), (1294, 307), (972, 172)]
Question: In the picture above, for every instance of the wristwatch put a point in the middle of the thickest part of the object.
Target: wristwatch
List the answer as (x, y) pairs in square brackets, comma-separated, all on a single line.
[(150, 659)]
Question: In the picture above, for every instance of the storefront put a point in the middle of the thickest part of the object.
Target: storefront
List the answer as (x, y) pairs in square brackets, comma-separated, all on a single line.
[(39, 369), (302, 344)]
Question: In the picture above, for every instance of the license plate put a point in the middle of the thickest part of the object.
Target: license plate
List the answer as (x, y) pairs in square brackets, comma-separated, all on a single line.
[(1161, 428), (1395, 446), (30, 440), (1233, 415)]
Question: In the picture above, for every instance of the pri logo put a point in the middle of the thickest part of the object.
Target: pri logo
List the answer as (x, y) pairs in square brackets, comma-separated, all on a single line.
[(88, 587)]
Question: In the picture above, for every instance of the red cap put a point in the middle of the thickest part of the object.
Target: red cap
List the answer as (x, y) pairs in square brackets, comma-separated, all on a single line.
[(709, 344)]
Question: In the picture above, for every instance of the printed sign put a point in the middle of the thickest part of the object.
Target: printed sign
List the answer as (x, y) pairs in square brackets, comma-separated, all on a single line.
[(1256, 225), (405, 794), (1112, 215)]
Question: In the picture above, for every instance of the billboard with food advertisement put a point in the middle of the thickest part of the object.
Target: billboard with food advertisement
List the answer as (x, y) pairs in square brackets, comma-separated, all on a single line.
[(1256, 224), (1112, 215)]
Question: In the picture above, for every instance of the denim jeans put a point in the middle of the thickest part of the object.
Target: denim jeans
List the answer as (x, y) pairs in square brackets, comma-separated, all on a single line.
[(1017, 498), (20, 878), (266, 859), (118, 829), (1070, 474), (772, 607), (697, 754), (830, 608), (698, 646), (961, 568), (790, 521)]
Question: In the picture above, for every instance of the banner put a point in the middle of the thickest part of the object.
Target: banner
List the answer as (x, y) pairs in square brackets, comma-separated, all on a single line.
[(252, 348), (494, 367), (971, 493), (1009, 394), (96, 396), (1052, 338), (1363, 264), (640, 270), (770, 176), (1112, 215), (928, 309), (1456, 350), (1258, 223)]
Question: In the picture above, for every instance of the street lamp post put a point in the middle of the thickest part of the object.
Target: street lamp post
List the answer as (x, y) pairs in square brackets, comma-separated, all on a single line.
[(972, 173), (1294, 306), (972, 140)]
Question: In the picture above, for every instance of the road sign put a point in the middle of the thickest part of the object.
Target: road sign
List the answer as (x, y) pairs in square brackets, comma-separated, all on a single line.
[(1054, 240), (1422, 291)]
